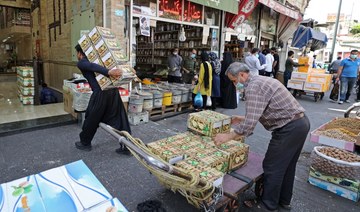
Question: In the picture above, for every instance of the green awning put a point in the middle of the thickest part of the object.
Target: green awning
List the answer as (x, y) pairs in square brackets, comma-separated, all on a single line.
[(231, 6)]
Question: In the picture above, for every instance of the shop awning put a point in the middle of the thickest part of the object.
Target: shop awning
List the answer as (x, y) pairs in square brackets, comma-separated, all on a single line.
[(280, 8), (231, 6), (303, 35)]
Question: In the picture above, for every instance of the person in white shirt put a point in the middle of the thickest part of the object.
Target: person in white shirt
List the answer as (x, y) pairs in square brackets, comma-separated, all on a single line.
[(253, 62), (269, 62)]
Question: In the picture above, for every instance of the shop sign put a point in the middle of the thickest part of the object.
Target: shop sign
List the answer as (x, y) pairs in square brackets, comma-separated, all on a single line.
[(231, 6), (170, 9), (192, 12), (280, 8), (245, 9)]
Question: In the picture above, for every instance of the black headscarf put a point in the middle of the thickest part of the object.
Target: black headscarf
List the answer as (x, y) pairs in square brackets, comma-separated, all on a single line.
[(227, 60), (205, 58)]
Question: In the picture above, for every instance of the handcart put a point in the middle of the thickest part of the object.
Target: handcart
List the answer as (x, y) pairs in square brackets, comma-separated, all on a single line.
[(353, 108), (224, 198), (317, 95)]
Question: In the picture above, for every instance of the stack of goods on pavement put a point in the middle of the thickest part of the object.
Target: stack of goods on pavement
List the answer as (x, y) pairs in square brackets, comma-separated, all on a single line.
[(196, 153), (103, 48), (337, 171), (26, 84), (342, 133), (335, 167), (315, 80)]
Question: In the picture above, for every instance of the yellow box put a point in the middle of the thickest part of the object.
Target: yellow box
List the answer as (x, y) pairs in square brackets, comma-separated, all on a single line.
[(304, 60), (304, 69), (300, 76)]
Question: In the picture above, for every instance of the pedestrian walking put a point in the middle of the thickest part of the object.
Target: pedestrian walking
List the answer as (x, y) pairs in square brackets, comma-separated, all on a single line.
[(334, 66), (216, 70), (227, 88), (276, 64), (269, 102), (347, 75), (269, 63), (104, 106), (252, 61), (204, 84)]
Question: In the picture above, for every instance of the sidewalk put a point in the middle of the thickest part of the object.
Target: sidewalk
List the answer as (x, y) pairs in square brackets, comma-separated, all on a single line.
[(124, 177)]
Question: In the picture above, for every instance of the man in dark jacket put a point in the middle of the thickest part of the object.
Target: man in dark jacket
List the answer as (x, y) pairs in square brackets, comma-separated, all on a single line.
[(104, 106)]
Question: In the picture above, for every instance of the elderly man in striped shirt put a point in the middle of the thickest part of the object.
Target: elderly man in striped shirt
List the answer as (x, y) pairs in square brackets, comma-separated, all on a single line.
[(271, 104)]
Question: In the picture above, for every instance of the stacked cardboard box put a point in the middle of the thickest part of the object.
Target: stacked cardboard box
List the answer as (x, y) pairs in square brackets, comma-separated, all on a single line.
[(224, 158), (103, 48), (209, 123), (314, 80), (26, 84)]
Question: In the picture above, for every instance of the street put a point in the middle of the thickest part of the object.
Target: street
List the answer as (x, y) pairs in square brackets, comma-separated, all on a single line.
[(35, 151)]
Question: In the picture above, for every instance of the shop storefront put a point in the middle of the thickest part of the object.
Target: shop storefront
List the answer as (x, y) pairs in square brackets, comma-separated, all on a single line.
[(158, 26)]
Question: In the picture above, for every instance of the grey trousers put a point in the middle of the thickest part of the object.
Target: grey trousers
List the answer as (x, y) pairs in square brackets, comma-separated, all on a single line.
[(280, 162)]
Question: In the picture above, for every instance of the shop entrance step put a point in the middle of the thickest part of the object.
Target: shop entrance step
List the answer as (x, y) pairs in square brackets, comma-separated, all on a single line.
[(34, 124)]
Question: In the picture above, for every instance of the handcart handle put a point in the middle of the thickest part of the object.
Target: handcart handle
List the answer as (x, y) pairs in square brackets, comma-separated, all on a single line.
[(147, 158)]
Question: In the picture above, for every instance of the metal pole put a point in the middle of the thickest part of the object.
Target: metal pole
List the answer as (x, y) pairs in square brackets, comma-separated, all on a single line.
[(335, 32)]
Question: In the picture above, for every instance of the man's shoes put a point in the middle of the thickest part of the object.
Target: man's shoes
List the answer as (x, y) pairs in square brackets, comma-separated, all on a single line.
[(347, 101), (285, 207), (81, 146), (340, 102)]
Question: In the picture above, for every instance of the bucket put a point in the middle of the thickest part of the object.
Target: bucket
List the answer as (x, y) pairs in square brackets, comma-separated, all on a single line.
[(176, 96), (136, 104), (167, 97), (158, 99), (148, 100), (184, 95)]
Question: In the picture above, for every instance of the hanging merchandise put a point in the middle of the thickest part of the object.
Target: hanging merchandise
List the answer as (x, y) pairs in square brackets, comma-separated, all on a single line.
[(145, 26), (182, 36)]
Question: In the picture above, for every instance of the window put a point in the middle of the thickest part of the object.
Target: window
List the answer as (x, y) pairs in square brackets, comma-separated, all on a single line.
[(145, 7), (212, 16)]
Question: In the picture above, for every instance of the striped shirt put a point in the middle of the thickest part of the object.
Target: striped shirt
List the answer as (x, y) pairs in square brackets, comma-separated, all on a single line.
[(269, 102)]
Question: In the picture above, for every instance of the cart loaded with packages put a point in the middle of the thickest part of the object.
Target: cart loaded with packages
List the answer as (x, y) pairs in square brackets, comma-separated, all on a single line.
[(210, 177), (308, 80)]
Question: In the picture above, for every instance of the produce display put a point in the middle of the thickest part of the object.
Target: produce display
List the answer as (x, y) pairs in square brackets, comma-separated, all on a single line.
[(336, 162), (351, 124), (209, 123), (339, 133), (340, 154)]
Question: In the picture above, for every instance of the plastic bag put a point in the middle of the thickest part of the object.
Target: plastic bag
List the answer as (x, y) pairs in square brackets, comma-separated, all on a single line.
[(198, 100), (208, 101)]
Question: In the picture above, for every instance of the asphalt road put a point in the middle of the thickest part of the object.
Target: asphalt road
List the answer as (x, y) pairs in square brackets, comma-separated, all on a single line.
[(35, 151)]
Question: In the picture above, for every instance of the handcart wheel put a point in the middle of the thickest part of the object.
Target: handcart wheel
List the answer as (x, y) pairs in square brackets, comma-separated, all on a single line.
[(294, 92), (259, 188), (316, 96)]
